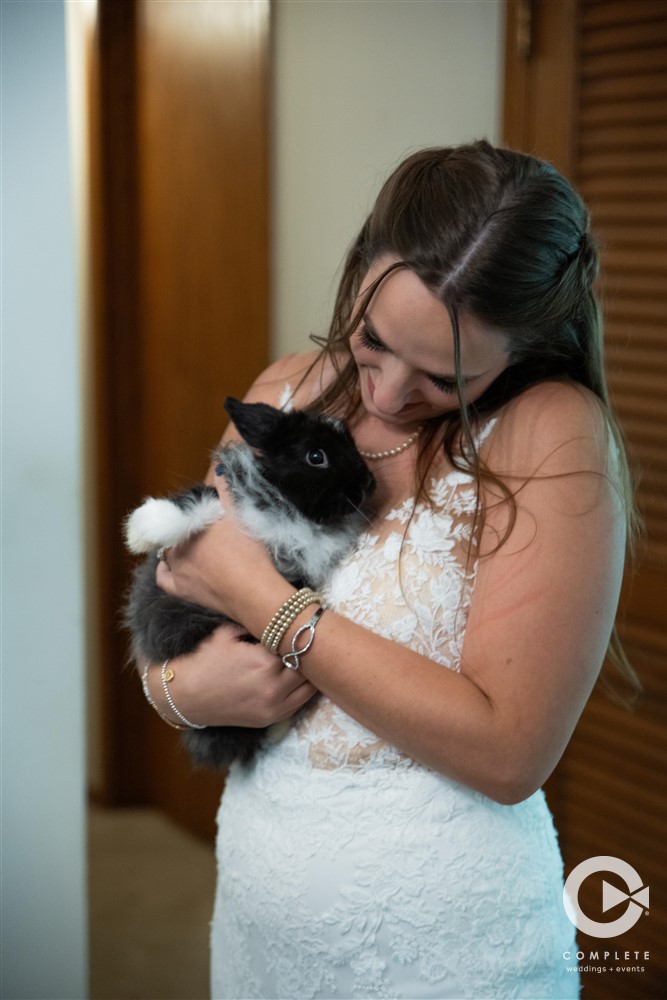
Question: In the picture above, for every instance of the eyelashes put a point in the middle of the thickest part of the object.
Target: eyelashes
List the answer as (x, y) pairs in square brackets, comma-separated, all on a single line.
[(443, 384), (371, 343)]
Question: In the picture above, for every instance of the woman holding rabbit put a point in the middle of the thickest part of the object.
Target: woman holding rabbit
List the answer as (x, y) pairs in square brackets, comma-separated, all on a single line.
[(396, 841)]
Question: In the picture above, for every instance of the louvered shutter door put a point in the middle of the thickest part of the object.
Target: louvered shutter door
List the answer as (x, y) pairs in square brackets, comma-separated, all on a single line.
[(609, 792), (621, 170), (614, 773)]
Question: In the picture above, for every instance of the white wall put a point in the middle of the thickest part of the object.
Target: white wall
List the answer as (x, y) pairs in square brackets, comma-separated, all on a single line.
[(43, 843), (358, 85)]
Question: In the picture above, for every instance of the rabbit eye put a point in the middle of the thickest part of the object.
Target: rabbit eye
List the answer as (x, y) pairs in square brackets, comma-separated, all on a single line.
[(317, 458)]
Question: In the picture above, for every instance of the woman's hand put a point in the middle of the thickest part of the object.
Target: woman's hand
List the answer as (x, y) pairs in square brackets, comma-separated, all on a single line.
[(223, 568), (228, 681)]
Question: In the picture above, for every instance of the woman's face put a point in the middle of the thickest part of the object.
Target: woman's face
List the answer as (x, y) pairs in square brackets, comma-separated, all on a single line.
[(404, 350)]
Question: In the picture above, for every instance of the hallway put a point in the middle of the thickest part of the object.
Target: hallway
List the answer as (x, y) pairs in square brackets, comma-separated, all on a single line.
[(150, 897)]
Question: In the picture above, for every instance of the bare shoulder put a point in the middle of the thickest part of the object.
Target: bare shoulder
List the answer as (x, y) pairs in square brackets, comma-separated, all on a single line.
[(553, 426), (300, 374), (288, 371), (268, 388)]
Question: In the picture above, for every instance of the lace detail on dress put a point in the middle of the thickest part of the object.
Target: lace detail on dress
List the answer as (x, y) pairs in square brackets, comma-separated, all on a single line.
[(348, 870), (385, 883), (424, 607)]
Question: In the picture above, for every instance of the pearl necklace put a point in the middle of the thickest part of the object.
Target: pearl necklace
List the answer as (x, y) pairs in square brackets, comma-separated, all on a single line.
[(373, 456)]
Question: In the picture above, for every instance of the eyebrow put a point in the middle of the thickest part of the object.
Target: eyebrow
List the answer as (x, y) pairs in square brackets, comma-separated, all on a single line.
[(444, 378)]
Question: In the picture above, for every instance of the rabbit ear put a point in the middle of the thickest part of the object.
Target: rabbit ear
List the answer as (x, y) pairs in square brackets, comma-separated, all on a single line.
[(255, 422)]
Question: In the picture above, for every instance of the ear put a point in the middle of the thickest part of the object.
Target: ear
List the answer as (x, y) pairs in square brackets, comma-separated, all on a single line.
[(255, 422)]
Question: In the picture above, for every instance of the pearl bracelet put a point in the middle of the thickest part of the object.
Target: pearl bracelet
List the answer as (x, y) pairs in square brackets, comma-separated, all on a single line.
[(149, 699), (285, 615), (168, 675)]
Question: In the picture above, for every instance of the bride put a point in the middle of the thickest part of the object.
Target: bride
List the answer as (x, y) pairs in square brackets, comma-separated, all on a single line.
[(396, 841)]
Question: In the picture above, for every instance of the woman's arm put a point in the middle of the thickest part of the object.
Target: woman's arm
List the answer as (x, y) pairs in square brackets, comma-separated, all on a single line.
[(227, 681), (539, 624)]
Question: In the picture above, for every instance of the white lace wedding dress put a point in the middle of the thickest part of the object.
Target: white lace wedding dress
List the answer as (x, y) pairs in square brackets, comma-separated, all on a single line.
[(348, 870)]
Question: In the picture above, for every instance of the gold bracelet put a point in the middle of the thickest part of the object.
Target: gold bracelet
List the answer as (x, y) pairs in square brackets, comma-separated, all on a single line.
[(168, 675), (147, 695), (285, 615)]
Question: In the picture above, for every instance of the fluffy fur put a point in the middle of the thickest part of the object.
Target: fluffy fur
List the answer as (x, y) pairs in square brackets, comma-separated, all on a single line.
[(163, 522), (300, 486)]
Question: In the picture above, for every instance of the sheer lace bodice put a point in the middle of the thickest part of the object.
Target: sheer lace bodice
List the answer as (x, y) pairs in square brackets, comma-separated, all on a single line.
[(424, 606), (346, 869)]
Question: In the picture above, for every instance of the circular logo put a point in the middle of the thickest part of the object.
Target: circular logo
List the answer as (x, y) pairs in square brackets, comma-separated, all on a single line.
[(636, 896)]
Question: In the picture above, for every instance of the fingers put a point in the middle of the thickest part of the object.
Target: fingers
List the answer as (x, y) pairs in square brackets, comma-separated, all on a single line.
[(299, 697), (228, 681), (294, 701), (164, 578), (274, 693), (283, 685)]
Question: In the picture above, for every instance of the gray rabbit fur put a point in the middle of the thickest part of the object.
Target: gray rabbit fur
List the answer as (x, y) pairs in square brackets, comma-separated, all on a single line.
[(298, 484)]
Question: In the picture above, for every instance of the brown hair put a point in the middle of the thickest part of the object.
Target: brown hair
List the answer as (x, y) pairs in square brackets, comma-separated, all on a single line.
[(501, 236)]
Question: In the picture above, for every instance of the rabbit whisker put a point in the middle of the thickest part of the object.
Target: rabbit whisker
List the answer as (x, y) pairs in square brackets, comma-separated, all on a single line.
[(358, 510)]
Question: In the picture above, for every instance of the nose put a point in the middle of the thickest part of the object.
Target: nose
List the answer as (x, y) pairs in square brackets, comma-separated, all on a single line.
[(394, 388)]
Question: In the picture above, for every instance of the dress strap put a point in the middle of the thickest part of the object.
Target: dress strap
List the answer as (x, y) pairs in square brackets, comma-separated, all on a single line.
[(286, 401)]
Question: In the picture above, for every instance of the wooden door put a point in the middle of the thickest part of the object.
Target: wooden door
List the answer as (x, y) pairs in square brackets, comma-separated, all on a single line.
[(586, 86), (180, 250)]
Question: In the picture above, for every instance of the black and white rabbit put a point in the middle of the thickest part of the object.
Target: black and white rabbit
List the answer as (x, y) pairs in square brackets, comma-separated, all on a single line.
[(299, 485)]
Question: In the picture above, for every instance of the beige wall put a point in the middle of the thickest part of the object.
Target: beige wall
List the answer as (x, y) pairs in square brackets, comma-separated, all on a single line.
[(357, 85)]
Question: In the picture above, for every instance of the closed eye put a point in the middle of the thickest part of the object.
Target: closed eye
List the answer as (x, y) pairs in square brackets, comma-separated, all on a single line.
[(369, 340), (444, 384), (372, 343)]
